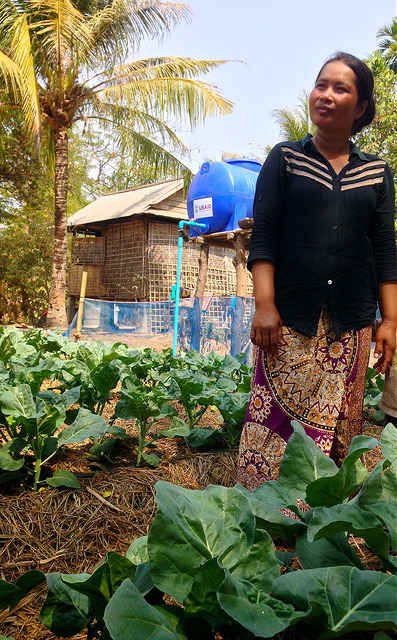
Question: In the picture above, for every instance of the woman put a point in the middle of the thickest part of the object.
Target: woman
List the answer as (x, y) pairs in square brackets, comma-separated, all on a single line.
[(322, 255)]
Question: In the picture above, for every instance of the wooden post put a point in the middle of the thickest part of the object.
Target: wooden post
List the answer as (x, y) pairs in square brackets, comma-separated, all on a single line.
[(241, 269), (80, 310), (199, 293), (203, 268)]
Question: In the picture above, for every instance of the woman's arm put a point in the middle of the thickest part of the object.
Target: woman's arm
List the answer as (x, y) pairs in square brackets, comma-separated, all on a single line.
[(385, 340), (266, 324)]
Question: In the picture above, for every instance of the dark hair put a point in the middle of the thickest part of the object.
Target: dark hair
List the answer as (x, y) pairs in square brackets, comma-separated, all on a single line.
[(364, 85)]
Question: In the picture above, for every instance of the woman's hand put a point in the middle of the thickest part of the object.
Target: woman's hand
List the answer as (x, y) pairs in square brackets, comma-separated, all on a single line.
[(385, 344), (266, 329)]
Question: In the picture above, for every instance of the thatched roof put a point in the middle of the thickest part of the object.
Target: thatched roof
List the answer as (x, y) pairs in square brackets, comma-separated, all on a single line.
[(132, 202)]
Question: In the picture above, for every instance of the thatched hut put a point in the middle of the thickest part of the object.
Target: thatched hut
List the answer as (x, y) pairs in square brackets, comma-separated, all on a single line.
[(127, 242)]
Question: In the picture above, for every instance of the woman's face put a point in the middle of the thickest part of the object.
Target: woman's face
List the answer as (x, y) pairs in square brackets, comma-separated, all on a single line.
[(333, 101)]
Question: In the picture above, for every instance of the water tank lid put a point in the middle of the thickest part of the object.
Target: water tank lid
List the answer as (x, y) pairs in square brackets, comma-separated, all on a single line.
[(246, 163)]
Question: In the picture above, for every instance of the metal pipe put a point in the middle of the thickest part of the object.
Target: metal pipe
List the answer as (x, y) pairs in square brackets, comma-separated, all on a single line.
[(182, 223)]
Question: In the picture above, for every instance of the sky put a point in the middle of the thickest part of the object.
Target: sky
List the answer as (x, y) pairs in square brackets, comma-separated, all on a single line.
[(275, 49)]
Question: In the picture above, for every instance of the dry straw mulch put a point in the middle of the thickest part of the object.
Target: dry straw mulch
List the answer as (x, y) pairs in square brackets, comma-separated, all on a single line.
[(71, 530)]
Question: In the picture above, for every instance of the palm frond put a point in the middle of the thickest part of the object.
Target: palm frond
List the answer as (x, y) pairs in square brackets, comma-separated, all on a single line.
[(184, 99), (133, 142), (21, 53), (140, 121), (387, 42), (59, 32), (11, 75), (166, 67), (294, 124), (122, 24)]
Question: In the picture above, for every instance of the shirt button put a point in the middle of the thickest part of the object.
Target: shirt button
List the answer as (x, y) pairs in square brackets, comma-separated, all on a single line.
[(329, 281), (335, 227)]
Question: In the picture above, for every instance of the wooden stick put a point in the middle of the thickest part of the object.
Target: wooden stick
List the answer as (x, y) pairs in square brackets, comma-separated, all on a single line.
[(102, 499), (241, 270), (77, 335), (203, 268)]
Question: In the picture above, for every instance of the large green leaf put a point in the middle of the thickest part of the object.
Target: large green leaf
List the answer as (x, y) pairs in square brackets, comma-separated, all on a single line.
[(217, 522), (388, 441), (103, 583), (91, 353), (255, 610), (105, 378), (129, 615), (52, 420), (35, 375), (7, 347), (65, 611), (7, 462), (350, 599), (137, 552), (26, 583), (381, 486), (326, 552), (266, 502), (19, 402), (387, 514), (225, 384), (65, 399), (258, 567), (233, 407), (190, 385), (63, 478), (330, 490), (303, 463), (200, 436), (143, 581), (178, 427), (138, 402), (8, 593), (86, 425), (202, 599), (349, 517)]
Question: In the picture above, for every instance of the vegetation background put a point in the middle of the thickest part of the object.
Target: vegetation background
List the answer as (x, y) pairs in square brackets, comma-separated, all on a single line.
[(28, 179)]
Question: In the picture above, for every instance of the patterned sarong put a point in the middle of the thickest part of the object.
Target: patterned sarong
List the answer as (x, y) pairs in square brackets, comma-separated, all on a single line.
[(318, 381)]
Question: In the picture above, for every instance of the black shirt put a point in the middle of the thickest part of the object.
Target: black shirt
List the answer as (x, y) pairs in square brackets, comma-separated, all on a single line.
[(330, 237)]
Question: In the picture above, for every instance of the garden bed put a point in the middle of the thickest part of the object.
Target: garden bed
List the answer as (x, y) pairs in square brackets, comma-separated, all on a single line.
[(70, 530)]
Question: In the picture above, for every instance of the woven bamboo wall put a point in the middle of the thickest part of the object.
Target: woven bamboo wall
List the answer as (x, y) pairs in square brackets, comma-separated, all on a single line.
[(93, 286), (139, 262), (123, 274), (88, 250), (162, 253)]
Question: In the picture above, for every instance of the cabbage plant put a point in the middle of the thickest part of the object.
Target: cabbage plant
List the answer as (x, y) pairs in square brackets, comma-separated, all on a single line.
[(213, 552)]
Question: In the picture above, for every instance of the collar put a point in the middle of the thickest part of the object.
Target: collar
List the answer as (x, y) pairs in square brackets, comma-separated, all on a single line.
[(307, 143)]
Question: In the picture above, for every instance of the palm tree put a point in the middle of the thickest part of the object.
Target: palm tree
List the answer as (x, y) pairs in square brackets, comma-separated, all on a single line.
[(387, 40), (68, 60), (295, 123), (377, 63)]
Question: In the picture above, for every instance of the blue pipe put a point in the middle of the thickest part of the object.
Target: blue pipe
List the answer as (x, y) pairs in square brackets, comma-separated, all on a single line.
[(189, 223)]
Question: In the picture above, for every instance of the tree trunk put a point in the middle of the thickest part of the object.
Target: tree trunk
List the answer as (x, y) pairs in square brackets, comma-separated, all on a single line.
[(56, 307)]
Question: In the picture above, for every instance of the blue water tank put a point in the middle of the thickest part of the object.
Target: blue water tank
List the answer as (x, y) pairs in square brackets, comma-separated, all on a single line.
[(221, 194)]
